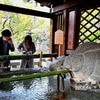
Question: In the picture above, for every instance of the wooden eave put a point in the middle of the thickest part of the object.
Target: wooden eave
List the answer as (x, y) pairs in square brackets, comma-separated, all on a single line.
[(59, 5), (54, 3), (76, 4), (24, 11)]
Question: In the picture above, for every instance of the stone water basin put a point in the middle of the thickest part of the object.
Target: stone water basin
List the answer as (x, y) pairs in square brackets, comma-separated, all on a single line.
[(45, 88)]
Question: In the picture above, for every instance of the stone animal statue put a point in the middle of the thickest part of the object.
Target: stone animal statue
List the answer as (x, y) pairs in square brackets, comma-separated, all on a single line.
[(85, 61)]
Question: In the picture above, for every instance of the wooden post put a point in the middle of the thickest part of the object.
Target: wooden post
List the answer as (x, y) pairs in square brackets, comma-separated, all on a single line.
[(71, 73), (60, 50), (58, 82), (63, 88), (51, 37), (40, 59)]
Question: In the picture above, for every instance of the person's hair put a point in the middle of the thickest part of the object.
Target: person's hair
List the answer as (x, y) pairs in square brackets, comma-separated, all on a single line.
[(29, 38), (6, 33)]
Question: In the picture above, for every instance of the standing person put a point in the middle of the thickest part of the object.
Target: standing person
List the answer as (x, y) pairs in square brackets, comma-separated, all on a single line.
[(6, 44), (27, 47)]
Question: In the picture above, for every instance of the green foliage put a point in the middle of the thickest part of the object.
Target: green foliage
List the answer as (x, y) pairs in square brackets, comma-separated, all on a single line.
[(19, 24)]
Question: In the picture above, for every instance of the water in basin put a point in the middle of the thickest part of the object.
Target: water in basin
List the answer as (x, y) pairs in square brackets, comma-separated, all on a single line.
[(44, 88)]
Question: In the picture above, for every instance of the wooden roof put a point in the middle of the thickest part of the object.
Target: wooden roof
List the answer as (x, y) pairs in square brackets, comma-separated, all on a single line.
[(54, 3), (59, 5)]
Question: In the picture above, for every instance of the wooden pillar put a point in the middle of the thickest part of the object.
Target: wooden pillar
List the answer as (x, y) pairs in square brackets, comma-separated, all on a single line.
[(63, 88), (58, 82), (52, 46), (71, 32), (73, 29), (77, 27), (40, 59), (51, 36), (64, 30)]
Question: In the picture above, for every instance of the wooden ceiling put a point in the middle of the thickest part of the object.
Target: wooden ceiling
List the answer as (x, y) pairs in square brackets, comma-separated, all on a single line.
[(54, 3), (59, 5)]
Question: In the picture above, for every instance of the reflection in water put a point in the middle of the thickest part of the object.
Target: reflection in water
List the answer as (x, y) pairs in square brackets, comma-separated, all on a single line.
[(44, 88)]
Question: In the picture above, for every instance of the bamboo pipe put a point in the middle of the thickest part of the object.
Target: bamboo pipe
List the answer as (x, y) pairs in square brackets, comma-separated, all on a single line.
[(4, 80), (29, 56)]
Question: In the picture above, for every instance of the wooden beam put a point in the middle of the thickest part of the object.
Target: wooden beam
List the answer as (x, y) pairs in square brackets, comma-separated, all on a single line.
[(24, 11), (75, 3)]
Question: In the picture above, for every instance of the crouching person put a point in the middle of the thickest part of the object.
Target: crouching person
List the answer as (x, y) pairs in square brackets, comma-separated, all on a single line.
[(27, 46)]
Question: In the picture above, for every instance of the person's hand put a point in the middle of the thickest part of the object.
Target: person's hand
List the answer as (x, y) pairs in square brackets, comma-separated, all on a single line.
[(24, 52), (10, 41), (28, 52)]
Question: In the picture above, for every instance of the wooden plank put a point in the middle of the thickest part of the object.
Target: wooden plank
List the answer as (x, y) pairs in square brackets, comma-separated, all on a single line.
[(59, 37), (76, 3), (70, 44), (24, 11), (66, 5)]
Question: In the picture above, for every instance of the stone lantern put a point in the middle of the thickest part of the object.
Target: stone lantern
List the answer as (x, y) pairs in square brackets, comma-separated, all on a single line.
[(43, 45), (29, 32)]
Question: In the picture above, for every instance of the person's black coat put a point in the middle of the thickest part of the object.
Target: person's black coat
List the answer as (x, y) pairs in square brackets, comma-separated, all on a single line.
[(9, 47)]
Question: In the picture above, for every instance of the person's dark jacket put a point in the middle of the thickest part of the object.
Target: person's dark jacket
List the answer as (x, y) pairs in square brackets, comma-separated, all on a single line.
[(4, 50), (9, 47)]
